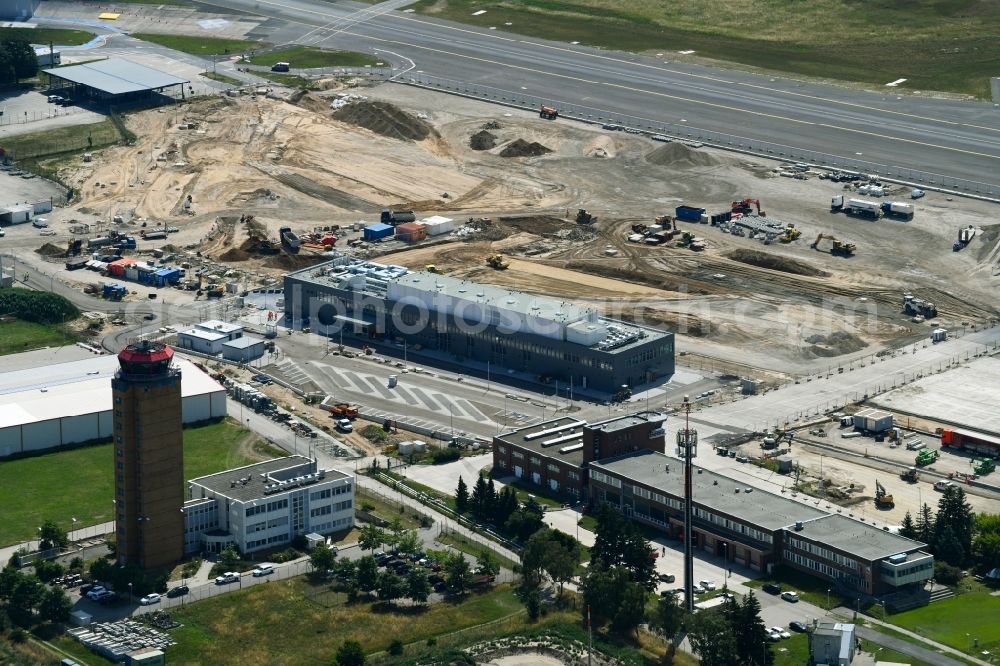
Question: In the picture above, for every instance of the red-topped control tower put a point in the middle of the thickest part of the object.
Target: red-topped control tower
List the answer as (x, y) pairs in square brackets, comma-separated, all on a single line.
[(149, 456)]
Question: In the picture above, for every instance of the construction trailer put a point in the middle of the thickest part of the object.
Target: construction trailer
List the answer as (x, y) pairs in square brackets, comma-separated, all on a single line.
[(974, 442)]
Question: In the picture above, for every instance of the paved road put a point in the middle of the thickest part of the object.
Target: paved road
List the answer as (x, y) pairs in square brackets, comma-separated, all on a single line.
[(907, 648), (955, 138)]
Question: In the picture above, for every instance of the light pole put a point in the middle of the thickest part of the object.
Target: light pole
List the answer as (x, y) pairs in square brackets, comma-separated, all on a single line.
[(828, 598), (130, 594)]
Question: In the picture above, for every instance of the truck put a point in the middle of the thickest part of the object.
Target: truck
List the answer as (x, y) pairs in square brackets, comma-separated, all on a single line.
[(911, 474), (926, 457), (689, 213), (395, 217), (288, 238), (125, 242), (965, 236), (342, 410), (983, 466), (898, 209), (974, 442), (76, 263), (548, 112), (153, 235), (100, 241), (856, 207)]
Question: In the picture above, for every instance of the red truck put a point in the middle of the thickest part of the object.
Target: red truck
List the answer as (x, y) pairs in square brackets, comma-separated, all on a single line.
[(974, 442), (548, 112)]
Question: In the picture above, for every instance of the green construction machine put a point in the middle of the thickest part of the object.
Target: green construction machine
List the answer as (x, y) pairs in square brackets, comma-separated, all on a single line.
[(983, 466), (926, 457)]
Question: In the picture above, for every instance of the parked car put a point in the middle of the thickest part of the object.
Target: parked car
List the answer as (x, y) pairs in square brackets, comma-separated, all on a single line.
[(796, 625), (263, 570), (707, 585), (667, 578), (790, 596), (149, 599), (54, 99), (771, 588), (345, 425), (95, 590), (226, 578), (779, 632), (109, 599), (178, 591)]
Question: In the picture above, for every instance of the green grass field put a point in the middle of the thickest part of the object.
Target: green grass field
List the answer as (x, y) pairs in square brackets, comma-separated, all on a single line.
[(222, 78), (229, 629), (948, 45), (79, 483), (307, 57), (957, 621), (17, 336), (199, 45), (60, 140), (55, 36), (290, 80)]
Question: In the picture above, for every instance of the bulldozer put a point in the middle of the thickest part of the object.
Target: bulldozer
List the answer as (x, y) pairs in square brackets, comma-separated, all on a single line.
[(911, 474), (583, 217), (883, 500), (431, 268), (497, 262), (839, 248)]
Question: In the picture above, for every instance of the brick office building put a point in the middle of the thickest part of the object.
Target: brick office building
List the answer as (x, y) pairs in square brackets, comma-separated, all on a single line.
[(554, 455)]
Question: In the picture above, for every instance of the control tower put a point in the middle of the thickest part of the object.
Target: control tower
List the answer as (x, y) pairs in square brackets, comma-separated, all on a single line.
[(149, 456)]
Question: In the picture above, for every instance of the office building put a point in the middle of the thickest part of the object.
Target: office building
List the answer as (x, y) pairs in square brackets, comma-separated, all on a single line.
[(266, 505), (549, 339), (149, 456)]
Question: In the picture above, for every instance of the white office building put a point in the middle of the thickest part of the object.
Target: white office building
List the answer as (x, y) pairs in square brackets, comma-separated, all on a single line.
[(266, 505), (209, 337)]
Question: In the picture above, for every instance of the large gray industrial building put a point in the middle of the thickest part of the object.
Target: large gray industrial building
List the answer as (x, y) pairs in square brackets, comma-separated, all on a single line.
[(542, 336)]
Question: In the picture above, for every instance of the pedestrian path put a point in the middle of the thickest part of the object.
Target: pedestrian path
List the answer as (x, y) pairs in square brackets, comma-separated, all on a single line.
[(931, 654)]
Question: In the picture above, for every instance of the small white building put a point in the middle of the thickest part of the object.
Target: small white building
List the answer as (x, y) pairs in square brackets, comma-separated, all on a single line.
[(200, 340), (243, 350), (832, 644), (17, 214), (231, 331), (266, 505)]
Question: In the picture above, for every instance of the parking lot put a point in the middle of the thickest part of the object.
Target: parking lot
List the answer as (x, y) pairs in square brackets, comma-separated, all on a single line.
[(30, 111), (14, 189)]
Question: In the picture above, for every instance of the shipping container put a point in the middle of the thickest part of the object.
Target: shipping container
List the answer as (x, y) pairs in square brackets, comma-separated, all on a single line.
[(975, 442), (873, 421), (411, 232), (437, 225), (377, 231), (689, 213)]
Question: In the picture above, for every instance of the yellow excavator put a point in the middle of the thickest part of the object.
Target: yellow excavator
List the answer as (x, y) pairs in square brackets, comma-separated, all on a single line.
[(839, 248), (883, 500), (497, 262)]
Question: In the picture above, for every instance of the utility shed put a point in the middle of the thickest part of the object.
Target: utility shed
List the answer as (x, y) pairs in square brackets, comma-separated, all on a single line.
[(243, 349)]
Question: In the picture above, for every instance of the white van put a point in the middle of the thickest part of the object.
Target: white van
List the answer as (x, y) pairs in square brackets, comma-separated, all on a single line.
[(263, 570), (40, 222)]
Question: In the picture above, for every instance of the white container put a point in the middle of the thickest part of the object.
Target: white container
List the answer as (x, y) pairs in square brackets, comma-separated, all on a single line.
[(405, 448), (419, 445)]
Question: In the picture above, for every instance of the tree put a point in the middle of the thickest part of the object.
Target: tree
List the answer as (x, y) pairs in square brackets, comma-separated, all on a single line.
[(631, 609), (47, 570), (418, 587), (490, 502), (925, 525), (409, 542), (986, 545), (462, 496), (9, 578), (669, 616), (229, 558), (322, 557), (711, 638), (394, 533), (101, 570), (602, 592), (477, 502), (506, 505), (908, 528), (26, 597), (618, 542), (76, 564), (350, 653), (371, 538), (51, 536), (367, 573), (459, 573), (17, 60), (55, 606), (524, 522), (555, 553), (749, 631), (344, 569), (948, 548), (391, 586), (486, 564), (955, 513)]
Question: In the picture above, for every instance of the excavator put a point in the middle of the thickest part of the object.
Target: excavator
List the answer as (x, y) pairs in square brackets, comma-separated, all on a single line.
[(883, 500), (746, 206), (840, 248), (497, 262), (583, 217)]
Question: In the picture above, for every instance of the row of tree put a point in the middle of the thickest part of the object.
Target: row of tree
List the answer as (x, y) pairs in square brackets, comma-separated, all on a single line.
[(17, 59), (29, 601), (954, 533), (500, 509)]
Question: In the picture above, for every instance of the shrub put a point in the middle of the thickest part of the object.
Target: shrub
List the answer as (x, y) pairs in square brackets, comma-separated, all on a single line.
[(396, 648), (946, 573), (442, 456)]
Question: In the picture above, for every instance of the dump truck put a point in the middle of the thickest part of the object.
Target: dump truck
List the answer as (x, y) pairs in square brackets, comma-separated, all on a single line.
[(911, 474), (926, 457), (153, 235), (343, 410), (548, 112), (898, 209), (883, 500), (965, 236), (496, 261), (288, 238), (395, 217)]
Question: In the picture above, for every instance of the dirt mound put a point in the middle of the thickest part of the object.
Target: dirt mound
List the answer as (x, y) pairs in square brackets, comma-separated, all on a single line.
[(235, 254), (775, 263), (521, 148), (493, 124), (543, 225), (289, 262), (385, 119), (308, 100), (835, 344), (680, 156), (50, 250), (482, 140)]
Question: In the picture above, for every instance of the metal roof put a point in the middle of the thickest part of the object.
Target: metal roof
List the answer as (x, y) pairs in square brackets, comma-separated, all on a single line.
[(854, 537), (243, 343), (116, 76)]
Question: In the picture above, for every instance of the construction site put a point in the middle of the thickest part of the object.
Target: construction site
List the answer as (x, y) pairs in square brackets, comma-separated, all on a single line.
[(769, 276)]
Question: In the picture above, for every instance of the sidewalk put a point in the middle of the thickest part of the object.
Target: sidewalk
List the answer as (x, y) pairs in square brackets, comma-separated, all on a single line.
[(91, 532)]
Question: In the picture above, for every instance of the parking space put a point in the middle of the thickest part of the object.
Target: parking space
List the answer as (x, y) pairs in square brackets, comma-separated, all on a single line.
[(30, 111), (15, 189)]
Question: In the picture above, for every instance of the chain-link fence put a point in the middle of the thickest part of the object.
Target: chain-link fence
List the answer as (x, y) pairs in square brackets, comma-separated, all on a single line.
[(685, 132)]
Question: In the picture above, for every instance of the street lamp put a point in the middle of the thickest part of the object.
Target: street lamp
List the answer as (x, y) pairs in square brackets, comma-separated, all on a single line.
[(130, 594), (828, 598)]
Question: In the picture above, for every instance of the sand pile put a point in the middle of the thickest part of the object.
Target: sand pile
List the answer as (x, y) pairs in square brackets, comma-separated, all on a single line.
[(680, 156), (385, 119), (482, 140), (775, 262), (521, 148), (50, 250), (835, 344)]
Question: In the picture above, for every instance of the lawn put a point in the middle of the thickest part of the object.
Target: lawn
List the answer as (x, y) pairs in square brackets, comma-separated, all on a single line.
[(228, 628), (386, 509), (222, 78), (79, 483), (200, 45), (307, 57), (936, 45), (811, 590), (957, 621), (47, 36), (469, 547), (60, 140), (290, 80), (17, 336)]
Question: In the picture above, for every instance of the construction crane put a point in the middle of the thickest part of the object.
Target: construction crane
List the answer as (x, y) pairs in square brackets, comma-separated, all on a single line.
[(883, 500), (840, 248), (746, 206), (497, 262)]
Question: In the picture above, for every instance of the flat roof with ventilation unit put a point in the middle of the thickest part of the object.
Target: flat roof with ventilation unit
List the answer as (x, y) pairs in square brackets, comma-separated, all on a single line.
[(562, 440), (563, 425), (571, 448)]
